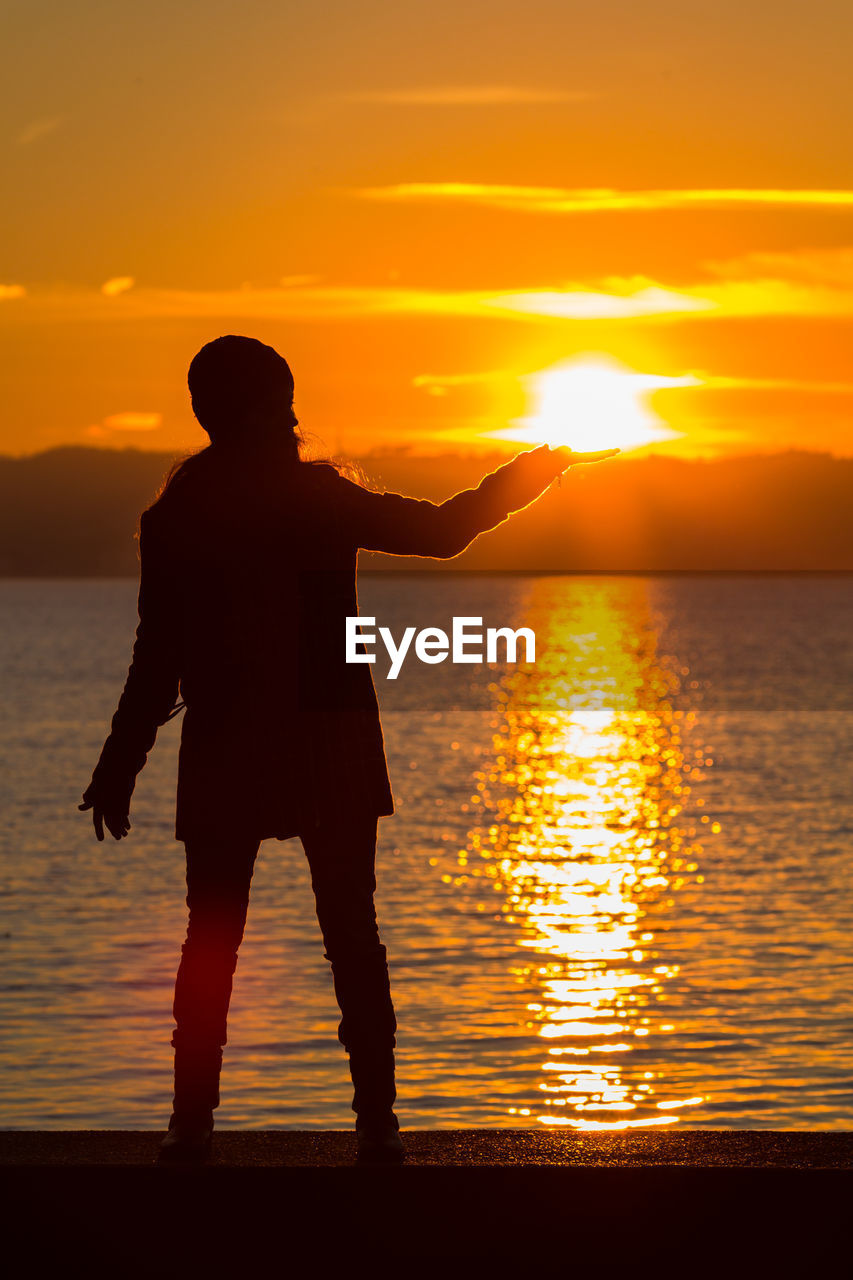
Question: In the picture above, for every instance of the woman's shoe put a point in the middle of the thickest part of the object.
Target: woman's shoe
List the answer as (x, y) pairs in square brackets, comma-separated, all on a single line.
[(379, 1140), (189, 1139)]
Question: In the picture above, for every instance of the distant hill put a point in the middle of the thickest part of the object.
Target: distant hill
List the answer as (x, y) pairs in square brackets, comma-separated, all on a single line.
[(72, 512)]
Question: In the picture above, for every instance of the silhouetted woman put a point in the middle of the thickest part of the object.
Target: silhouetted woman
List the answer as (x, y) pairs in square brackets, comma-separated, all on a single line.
[(248, 572)]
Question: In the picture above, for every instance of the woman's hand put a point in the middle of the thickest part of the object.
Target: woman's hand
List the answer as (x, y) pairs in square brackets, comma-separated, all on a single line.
[(116, 821), (574, 459)]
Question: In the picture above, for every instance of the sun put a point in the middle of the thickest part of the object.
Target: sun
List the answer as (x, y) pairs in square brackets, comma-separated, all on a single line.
[(593, 403)]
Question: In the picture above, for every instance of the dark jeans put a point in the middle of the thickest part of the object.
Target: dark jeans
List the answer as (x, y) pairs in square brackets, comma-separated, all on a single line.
[(341, 856)]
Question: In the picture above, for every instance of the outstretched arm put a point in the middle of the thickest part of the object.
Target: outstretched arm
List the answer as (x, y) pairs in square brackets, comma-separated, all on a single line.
[(414, 527), (149, 693)]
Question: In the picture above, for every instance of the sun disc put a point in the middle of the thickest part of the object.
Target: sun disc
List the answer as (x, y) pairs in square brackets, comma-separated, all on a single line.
[(593, 403)]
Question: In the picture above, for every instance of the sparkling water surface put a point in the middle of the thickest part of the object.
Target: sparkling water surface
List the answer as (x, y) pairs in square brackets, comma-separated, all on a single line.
[(616, 893)]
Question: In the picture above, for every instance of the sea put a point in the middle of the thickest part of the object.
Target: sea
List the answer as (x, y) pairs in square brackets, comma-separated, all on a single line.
[(617, 892)]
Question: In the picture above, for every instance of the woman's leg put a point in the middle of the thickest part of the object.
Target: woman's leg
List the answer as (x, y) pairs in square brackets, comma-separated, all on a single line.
[(219, 874), (341, 853)]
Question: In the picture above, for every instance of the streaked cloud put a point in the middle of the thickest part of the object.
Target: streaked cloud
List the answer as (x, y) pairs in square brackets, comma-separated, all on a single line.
[(564, 200), (479, 95), (809, 284), (133, 420), (9, 291), (37, 129), (117, 284), (833, 267), (330, 302), (596, 304), (805, 283), (723, 382), (440, 384)]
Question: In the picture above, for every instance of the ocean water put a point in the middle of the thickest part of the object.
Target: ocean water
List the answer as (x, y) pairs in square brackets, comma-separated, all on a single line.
[(616, 893)]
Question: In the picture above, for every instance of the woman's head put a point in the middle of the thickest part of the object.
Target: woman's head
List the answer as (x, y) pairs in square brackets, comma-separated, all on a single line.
[(242, 394), (242, 391)]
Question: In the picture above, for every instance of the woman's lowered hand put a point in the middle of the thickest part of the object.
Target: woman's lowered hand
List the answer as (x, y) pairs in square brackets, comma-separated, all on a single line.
[(116, 820)]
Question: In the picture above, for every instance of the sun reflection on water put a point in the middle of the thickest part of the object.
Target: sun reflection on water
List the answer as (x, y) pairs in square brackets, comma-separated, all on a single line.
[(583, 831)]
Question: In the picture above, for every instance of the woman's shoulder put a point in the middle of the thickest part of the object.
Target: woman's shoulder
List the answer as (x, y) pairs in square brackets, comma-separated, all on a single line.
[(203, 503), (337, 481), (320, 472)]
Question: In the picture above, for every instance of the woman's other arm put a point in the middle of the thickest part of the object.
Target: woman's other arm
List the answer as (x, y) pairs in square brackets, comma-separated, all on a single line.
[(415, 527), (149, 695)]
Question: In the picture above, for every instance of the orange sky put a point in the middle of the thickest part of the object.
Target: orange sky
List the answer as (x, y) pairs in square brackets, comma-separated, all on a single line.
[(424, 205)]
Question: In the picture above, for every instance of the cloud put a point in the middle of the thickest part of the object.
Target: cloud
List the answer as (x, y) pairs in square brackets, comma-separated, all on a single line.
[(595, 304), (723, 382), (37, 129), (133, 420), (483, 95), (833, 267), (808, 284), (565, 200), (329, 302), (803, 283), (439, 384), (8, 291), (117, 284), (433, 381)]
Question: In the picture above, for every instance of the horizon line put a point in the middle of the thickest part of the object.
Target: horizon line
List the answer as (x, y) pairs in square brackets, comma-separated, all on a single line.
[(409, 451)]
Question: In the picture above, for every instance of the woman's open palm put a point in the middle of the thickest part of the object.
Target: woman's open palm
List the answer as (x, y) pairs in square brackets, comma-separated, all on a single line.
[(574, 459)]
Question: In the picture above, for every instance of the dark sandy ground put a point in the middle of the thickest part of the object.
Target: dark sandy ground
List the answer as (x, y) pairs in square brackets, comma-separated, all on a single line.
[(696, 1148), (467, 1203)]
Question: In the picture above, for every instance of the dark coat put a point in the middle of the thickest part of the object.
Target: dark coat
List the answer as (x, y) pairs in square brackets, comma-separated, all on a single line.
[(248, 570)]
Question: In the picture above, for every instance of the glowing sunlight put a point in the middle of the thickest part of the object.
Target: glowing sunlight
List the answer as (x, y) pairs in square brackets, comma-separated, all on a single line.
[(594, 403), (584, 834)]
